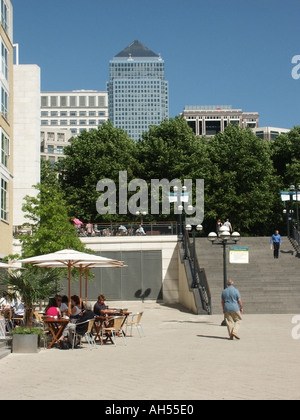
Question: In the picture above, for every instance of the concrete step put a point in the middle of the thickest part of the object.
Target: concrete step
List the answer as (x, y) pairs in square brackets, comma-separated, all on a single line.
[(267, 285)]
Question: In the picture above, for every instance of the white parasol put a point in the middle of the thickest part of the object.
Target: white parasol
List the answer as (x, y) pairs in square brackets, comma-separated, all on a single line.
[(69, 258)]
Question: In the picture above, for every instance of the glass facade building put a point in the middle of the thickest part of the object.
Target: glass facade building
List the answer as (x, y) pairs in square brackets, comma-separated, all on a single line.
[(138, 94)]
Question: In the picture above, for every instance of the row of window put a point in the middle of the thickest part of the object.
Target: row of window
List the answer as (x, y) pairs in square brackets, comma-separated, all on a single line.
[(73, 101), (72, 113), (72, 122)]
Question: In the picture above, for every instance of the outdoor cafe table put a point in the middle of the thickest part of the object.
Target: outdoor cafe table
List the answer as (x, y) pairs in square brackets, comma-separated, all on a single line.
[(56, 327), (100, 319)]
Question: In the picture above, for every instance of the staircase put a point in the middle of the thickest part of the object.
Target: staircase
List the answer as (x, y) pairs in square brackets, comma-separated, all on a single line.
[(266, 285)]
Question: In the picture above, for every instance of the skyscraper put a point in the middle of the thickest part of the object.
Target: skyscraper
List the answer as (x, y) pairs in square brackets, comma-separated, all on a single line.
[(137, 90)]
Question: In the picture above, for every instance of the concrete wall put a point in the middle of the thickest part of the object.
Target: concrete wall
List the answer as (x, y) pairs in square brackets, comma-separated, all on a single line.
[(26, 136), (167, 245)]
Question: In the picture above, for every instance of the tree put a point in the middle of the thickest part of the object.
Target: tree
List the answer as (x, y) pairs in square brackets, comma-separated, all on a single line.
[(49, 219), (171, 150), (286, 157), (241, 184), (32, 284), (91, 157)]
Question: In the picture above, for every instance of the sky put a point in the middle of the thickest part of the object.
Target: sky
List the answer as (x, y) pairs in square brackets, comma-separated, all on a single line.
[(216, 52)]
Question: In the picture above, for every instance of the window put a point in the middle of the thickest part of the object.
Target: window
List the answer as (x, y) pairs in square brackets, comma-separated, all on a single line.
[(82, 100), (4, 149), (53, 100), (60, 150), (53, 122), (44, 101), (4, 200), (4, 15), (50, 148), (4, 102), (63, 101), (4, 61), (92, 100), (72, 100)]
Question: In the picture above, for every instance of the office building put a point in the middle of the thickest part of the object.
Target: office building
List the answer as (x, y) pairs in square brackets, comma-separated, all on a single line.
[(137, 90), (6, 128), (269, 133), (53, 142), (208, 120), (77, 110)]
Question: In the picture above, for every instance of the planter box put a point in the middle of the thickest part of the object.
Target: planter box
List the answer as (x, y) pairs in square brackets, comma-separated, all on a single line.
[(25, 343)]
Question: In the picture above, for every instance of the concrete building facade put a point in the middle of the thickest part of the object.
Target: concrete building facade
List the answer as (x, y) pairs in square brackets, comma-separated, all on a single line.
[(6, 128), (76, 111), (27, 88)]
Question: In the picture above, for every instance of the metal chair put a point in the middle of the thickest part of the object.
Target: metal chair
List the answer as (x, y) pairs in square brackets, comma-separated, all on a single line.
[(88, 334), (114, 330), (135, 320)]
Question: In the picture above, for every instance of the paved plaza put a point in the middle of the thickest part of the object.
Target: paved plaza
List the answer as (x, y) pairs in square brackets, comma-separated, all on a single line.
[(182, 357)]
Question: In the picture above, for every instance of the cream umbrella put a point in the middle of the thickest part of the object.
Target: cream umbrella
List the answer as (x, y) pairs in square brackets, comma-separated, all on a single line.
[(69, 258)]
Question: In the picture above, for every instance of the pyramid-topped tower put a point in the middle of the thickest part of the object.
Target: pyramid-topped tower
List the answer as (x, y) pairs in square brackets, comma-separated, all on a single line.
[(138, 94)]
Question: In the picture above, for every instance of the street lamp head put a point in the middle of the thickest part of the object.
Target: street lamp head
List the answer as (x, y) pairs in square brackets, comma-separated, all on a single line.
[(184, 188), (212, 236), (180, 207), (199, 227), (235, 236), (190, 208), (292, 187), (188, 228), (175, 188), (224, 236), (224, 228)]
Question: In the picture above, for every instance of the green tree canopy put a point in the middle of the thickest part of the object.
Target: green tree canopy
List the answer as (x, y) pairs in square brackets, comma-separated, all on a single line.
[(286, 157), (171, 150), (49, 219), (241, 184), (91, 157)]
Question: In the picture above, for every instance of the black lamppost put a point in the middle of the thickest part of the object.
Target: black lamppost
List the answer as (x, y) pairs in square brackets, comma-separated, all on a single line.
[(286, 213), (194, 229), (142, 213), (295, 191), (179, 199), (224, 238)]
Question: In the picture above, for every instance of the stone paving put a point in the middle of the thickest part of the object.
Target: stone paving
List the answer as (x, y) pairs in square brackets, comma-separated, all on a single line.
[(183, 357)]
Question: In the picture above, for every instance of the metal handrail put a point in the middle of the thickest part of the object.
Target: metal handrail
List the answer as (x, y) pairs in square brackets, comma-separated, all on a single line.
[(199, 279)]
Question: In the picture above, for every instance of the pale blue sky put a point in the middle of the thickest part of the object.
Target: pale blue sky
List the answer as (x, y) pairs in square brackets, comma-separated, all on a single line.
[(216, 52)]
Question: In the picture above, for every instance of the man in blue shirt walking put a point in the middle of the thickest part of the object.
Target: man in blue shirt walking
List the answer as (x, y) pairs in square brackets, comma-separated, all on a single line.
[(275, 241), (232, 307)]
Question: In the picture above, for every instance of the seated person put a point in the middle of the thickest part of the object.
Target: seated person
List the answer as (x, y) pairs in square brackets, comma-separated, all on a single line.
[(140, 231), (86, 315), (52, 310), (75, 307), (122, 230), (19, 311), (63, 304), (100, 308), (6, 303)]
